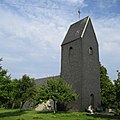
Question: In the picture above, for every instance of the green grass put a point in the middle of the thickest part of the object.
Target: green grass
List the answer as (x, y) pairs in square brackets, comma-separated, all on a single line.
[(8, 114)]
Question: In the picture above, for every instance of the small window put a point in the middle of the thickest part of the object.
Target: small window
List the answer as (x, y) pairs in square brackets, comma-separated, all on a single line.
[(71, 54), (90, 51), (70, 51)]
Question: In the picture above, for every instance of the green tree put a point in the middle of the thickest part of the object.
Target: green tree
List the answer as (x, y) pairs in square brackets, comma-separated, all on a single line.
[(21, 90), (117, 91), (26, 89), (107, 88), (57, 90), (5, 87), (15, 93)]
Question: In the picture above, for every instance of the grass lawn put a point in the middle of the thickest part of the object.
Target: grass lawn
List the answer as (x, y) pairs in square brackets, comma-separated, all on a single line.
[(8, 114)]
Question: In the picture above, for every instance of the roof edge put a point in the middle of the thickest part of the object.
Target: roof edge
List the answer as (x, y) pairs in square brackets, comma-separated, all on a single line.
[(85, 26)]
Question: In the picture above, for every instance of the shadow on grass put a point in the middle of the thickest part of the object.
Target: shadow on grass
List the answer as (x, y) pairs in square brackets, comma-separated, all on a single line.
[(11, 113), (44, 112), (51, 112), (106, 116)]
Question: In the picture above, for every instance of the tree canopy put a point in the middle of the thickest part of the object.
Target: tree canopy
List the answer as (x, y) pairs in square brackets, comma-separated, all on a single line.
[(18, 91), (107, 88), (57, 90), (23, 89), (117, 90), (5, 87)]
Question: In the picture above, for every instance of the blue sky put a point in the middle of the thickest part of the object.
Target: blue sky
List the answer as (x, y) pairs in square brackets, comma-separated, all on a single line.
[(31, 32)]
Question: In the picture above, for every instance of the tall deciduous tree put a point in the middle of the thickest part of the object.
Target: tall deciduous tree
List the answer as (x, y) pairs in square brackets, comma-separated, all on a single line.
[(107, 88), (27, 89), (21, 90), (57, 90), (117, 90), (5, 87), (15, 93)]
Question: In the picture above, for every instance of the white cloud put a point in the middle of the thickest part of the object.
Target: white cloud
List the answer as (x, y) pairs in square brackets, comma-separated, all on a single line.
[(74, 1), (30, 38), (106, 3), (31, 43), (107, 30)]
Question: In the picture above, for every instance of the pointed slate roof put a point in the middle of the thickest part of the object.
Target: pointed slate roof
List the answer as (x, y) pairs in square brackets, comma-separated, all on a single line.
[(76, 30)]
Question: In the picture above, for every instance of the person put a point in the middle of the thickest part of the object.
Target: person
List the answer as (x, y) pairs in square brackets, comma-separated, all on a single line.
[(90, 109)]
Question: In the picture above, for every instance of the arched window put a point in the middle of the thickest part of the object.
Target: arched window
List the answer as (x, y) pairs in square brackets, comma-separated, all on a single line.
[(71, 51), (90, 51), (92, 100), (71, 54)]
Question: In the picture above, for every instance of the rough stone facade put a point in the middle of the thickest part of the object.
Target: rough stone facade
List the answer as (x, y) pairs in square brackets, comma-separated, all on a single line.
[(80, 64)]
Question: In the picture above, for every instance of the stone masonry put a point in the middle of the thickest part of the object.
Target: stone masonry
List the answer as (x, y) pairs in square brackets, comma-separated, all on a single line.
[(80, 64)]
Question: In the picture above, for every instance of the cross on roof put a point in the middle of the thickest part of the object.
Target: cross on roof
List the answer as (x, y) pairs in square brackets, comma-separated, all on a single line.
[(79, 13)]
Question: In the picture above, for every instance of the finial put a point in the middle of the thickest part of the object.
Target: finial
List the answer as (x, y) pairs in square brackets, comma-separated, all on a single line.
[(79, 13)]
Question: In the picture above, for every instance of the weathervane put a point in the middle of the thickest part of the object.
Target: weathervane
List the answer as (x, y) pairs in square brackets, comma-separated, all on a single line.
[(79, 13)]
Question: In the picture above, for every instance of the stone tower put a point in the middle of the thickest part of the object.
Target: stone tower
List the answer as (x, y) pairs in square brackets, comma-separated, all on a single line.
[(80, 64)]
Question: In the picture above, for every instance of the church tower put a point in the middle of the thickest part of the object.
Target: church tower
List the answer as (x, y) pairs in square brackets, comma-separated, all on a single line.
[(80, 64)]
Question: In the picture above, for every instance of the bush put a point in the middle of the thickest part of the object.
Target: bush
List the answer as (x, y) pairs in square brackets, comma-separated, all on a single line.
[(117, 112)]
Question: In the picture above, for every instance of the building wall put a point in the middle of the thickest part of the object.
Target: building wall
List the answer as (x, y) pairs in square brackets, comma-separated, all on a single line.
[(80, 68), (91, 71), (71, 71)]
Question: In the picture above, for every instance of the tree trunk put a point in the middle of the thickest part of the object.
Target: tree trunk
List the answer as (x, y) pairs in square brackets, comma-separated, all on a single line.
[(21, 104), (13, 105), (54, 110)]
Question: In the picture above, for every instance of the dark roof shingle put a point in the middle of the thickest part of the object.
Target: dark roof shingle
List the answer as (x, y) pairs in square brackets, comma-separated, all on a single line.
[(75, 31), (40, 81)]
